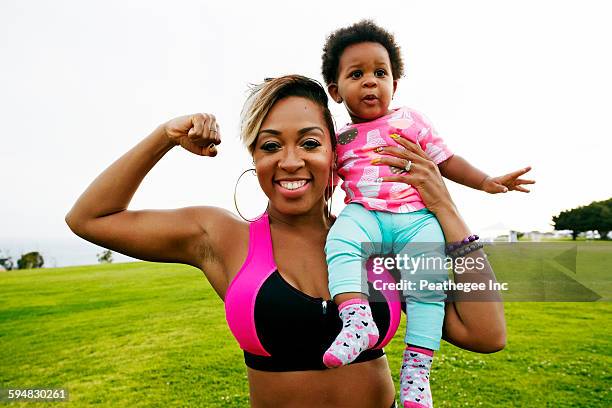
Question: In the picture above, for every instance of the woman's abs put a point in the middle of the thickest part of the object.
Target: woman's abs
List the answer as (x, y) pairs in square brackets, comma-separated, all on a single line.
[(366, 384)]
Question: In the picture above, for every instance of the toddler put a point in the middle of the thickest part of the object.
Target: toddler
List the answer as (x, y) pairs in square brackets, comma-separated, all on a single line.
[(361, 67)]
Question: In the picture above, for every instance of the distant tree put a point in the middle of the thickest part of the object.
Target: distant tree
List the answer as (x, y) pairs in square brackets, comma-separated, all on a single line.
[(105, 256), (30, 260), (6, 261), (595, 216)]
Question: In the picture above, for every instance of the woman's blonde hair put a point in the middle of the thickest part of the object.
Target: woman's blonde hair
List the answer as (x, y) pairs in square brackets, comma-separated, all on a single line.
[(263, 96)]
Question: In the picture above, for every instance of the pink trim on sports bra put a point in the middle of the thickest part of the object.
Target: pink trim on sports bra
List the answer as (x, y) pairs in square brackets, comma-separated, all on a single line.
[(242, 292)]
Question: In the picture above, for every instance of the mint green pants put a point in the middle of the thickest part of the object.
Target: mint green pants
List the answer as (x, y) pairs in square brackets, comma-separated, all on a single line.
[(359, 233)]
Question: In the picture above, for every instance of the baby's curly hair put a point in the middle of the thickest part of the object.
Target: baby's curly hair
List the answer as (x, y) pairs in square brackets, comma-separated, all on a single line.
[(362, 31)]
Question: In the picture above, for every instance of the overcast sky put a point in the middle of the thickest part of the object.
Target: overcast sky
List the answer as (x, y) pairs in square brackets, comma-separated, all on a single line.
[(506, 83)]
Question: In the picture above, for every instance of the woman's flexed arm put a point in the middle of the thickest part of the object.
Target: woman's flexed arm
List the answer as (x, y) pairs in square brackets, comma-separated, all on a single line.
[(101, 216)]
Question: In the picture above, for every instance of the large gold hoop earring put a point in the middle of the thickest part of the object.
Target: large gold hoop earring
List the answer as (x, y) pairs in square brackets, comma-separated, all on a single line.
[(236, 201), (328, 206), (329, 196)]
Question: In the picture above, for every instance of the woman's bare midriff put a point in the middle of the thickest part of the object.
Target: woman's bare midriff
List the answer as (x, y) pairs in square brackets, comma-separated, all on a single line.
[(366, 384)]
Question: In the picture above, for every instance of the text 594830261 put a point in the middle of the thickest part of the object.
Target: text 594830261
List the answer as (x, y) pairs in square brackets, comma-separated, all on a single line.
[(33, 394)]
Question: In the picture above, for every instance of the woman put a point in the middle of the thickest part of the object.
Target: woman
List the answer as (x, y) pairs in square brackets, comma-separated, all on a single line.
[(288, 129)]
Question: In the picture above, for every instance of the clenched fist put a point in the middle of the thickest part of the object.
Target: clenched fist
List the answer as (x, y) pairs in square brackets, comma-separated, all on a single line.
[(198, 133)]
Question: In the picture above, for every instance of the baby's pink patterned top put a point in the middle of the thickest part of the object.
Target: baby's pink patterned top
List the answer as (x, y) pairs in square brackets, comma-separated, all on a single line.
[(355, 148)]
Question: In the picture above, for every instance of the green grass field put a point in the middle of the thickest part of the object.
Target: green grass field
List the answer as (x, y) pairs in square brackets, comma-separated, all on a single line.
[(144, 334)]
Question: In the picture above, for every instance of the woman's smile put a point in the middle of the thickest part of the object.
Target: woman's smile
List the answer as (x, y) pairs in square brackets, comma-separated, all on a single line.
[(292, 185), (292, 188)]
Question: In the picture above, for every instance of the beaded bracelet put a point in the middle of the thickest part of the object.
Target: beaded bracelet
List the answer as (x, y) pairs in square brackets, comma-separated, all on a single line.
[(464, 250), (456, 245)]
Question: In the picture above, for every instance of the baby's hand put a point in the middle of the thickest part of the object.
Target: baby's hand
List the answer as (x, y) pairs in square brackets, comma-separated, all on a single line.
[(507, 182)]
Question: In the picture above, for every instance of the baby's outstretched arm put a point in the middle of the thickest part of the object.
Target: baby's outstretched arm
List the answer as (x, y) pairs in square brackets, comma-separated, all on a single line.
[(461, 171)]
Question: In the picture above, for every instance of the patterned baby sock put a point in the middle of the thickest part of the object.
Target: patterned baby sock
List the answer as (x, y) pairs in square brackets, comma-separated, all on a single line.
[(414, 378), (359, 333)]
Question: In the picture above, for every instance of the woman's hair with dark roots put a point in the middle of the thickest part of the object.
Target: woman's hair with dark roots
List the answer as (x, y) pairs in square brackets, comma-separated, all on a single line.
[(360, 32), (263, 96)]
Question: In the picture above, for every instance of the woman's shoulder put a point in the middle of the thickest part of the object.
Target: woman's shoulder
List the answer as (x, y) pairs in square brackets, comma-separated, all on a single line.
[(218, 222), (218, 230), (224, 239)]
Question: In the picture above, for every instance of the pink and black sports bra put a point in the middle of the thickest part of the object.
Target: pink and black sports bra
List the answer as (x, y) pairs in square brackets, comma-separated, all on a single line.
[(280, 328)]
